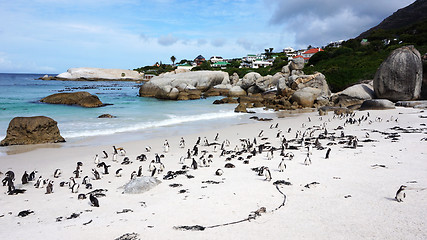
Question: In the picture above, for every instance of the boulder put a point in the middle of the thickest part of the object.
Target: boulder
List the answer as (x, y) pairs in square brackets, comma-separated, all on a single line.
[(106, 116), (411, 103), (399, 77), (296, 64), (236, 91), (140, 185), (241, 108), (83, 99), (100, 74), (32, 130), (266, 83), (316, 80), (250, 79), (168, 86), (353, 95), (305, 97), (234, 79), (377, 104), (226, 100)]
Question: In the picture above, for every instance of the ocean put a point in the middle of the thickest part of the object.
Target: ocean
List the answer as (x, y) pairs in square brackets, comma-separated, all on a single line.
[(137, 117)]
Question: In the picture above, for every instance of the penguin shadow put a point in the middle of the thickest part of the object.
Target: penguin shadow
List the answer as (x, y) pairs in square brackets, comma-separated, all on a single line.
[(390, 199)]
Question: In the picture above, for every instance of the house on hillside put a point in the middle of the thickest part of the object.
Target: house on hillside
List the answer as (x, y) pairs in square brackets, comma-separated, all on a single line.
[(260, 63), (186, 66), (220, 64), (300, 56), (310, 52), (199, 60), (215, 59)]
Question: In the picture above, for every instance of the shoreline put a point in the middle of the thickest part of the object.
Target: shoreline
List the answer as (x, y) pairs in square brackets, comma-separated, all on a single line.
[(353, 200)]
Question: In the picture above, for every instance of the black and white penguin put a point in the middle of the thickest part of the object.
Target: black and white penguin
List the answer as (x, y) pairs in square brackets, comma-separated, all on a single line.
[(81, 196), (307, 160), (133, 175), (96, 159), (10, 186), (182, 143), (105, 166), (85, 180), (194, 164), (151, 166), (327, 153), (119, 172), (93, 200), (75, 188), (126, 161), (282, 165), (219, 172), (140, 172), (267, 174), (114, 157), (217, 137), (10, 174), (148, 149), (261, 133), (32, 176), (198, 141), (24, 178), (49, 187), (96, 174), (166, 146), (105, 154), (400, 194), (270, 154), (141, 158), (160, 168), (39, 182), (122, 151), (157, 157), (57, 173), (154, 171)]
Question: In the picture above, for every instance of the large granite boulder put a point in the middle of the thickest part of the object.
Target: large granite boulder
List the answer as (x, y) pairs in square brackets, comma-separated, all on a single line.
[(234, 79), (249, 80), (236, 91), (83, 99), (316, 80), (169, 86), (399, 77), (353, 95), (32, 130), (100, 74), (296, 64), (377, 104), (305, 97)]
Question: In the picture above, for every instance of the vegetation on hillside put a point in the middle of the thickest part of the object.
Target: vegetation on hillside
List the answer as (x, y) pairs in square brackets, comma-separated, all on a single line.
[(353, 62)]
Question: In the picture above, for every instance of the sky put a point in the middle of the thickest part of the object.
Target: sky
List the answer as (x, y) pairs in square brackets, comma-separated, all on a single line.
[(50, 36)]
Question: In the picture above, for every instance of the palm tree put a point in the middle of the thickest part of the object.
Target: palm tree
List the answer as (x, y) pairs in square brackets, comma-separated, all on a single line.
[(173, 58)]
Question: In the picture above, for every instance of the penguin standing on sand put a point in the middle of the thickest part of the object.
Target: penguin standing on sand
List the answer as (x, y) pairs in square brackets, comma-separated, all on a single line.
[(96, 174), (133, 175), (157, 158), (105, 154), (24, 178), (139, 172), (114, 157), (194, 164), (93, 200), (400, 194), (119, 172), (307, 160), (182, 143), (282, 165), (49, 187), (57, 173), (154, 171), (166, 146), (327, 153), (105, 166), (96, 159), (217, 137), (267, 174), (151, 166)]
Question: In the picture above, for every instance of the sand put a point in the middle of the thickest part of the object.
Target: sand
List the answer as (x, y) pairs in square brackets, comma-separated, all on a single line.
[(352, 200)]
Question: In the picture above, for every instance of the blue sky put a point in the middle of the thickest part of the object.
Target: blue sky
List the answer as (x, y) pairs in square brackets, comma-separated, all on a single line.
[(50, 36)]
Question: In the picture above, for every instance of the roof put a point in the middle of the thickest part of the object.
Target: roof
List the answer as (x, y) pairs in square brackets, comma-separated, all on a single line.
[(299, 56), (200, 57), (313, 50), (221, 63)]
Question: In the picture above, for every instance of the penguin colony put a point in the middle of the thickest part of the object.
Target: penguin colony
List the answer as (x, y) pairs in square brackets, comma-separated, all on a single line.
[(288, 146)]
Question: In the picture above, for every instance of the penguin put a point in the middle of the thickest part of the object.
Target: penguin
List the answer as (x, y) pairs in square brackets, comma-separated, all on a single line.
[(105, 154), (400, 195), (161, 167), (96, 159), (219, 172), (81, 196), (10, 174), (122, 151), (260, 134), (151, 166), (49, 187), (217, 137), (24, 178), (195, 150), (133, 175), (57, 173), (182, 143), (282, 165), (71, 182), (96, 174), (32, 176), (105, 166), (154, 171), (267, 174), (85, 180), (307, 160), (142, 158), (39, 182), (270, 154), (194, 164), (327, 153), (148, 149), (114, 157), (198, 141), (115, 150), (140, 172), (77, 172), (75, 188), (166, 146), (157, 157), (94, 201), (119, 172), (10, 186)]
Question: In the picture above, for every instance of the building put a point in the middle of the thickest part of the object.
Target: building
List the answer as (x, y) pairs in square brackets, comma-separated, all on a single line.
[(310, 52), (199, 60), (300, 56), (221, 64), (260, 63), (186, 66), (215, 59)]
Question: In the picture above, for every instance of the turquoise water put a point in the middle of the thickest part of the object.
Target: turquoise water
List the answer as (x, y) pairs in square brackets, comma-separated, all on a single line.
[(146, 117)]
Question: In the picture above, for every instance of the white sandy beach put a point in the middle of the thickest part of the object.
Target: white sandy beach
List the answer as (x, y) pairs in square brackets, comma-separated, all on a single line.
[(353, 200)]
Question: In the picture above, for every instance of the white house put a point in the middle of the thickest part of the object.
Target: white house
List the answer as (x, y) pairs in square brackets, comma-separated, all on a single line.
[(259, 63), (215, 59)]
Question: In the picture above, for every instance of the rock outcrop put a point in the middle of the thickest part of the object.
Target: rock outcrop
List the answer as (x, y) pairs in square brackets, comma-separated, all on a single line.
[(169, 86), (354, 95), (83, 99), (400, 76), (32, 130), (377, 104), (93, 74)]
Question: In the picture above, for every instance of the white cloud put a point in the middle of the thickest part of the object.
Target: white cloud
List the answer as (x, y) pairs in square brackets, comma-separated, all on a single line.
[(167, 40), (218, 42)]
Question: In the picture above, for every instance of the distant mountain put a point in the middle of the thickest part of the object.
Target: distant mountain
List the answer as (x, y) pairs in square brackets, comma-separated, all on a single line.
[(403, 17)]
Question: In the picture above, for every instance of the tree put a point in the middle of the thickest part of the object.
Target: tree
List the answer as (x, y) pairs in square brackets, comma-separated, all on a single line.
[(173, 59)]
